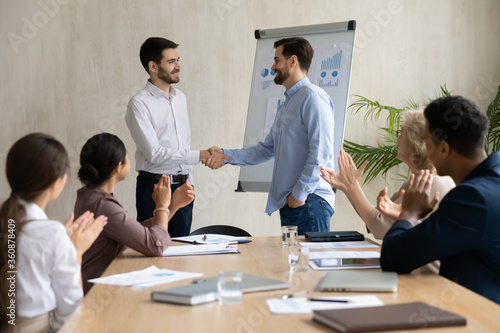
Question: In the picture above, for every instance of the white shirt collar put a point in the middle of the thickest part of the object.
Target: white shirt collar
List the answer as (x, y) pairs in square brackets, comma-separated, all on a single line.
[(157, 92), (33, 211)]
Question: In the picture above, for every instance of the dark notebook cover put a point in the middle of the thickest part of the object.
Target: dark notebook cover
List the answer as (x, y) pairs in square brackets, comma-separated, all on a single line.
[(387, 318), (334, 236)]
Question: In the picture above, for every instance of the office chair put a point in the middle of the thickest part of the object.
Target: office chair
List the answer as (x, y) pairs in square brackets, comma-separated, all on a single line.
[(222, 230)]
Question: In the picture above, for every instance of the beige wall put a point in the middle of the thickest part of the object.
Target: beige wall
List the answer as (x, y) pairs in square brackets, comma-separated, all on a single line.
[(69, 67)]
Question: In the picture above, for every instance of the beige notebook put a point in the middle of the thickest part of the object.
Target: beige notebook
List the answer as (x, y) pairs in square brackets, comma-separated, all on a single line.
[(387, 318)]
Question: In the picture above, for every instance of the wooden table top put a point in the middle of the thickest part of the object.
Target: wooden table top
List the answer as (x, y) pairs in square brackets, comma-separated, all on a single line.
[(109, 308)]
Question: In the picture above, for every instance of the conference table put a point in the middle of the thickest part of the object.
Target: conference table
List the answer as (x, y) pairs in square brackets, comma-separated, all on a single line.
[(108, 308)]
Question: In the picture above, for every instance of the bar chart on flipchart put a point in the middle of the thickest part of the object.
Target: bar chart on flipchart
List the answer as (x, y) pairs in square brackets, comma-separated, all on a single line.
[(329, 67)]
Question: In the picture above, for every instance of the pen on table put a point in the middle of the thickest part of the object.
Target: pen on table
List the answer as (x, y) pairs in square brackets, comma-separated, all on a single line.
[(294, 294), (329, 300)]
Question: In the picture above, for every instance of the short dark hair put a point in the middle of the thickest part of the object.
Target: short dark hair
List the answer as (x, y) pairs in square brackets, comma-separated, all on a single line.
[(100, 155), (459, 122), (152, 48), (298, 47)]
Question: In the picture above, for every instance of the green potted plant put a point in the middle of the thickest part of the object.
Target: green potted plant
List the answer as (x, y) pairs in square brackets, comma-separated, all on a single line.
[(383, 156)]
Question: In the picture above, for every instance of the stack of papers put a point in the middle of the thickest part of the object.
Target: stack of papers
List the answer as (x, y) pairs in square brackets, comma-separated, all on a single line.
[(211, 239), (189, 250), (144, 278), (302, 305)]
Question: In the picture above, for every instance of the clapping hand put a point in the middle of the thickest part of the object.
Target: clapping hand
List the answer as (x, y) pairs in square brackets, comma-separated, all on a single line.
[(182, 196), (84, 230), (387, 206), (162, 193), (417, 201), (347, 175)]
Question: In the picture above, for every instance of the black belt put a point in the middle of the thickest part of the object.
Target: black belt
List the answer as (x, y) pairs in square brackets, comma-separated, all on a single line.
[(176, 179)]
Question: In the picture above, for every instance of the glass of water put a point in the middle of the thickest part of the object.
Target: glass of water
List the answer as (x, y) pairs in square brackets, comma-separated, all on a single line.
[(229, 287), (298, 258), (289, 235)]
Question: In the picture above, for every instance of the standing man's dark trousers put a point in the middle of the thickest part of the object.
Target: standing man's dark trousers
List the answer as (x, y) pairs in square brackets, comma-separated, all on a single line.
[(180, 223)]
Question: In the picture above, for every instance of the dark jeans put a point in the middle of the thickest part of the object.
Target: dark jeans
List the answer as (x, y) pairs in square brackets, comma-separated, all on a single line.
[(180, 223), (314, 215)]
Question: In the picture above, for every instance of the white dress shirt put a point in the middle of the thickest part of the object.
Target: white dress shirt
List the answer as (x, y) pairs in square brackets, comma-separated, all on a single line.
[(48, 276), (160, 128)]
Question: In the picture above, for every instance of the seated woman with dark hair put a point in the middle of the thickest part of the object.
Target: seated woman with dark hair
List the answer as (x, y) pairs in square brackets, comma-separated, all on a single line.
[(412, 152), (104, 163)]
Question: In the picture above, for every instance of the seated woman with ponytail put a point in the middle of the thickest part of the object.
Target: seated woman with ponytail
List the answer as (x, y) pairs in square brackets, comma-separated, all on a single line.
[(104, 163), (47, 254)]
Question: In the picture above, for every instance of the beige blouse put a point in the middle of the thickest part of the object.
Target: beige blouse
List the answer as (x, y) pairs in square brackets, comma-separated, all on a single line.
[(120, 232), (380, 223)]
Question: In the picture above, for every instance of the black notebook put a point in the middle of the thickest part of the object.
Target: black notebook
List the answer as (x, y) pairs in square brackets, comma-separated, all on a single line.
[(334, 236)]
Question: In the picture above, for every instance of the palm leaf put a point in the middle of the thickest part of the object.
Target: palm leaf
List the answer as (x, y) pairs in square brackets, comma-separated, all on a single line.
[(374, 110), (413, 105), (443, 92), (382, 158), (493, 113), (390, 137)]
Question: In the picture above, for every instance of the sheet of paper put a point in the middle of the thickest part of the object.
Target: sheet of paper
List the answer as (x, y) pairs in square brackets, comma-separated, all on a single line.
[(302, 305), (144, 278), (188, 250), (210, 239), (338, 245)]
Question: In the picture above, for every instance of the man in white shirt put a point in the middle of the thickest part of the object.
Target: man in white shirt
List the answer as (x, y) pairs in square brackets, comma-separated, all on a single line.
[(158, 122)]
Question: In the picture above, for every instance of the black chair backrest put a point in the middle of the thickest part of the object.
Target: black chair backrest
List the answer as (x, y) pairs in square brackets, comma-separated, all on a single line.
[(222, 230)]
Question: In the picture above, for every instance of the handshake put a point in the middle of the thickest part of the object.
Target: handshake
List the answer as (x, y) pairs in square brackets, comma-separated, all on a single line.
[(213, 157)]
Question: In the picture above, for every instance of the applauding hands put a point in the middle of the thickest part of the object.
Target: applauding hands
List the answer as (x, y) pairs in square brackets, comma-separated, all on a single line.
[(164, 198), (387, 206), (84, 230), (348, 173), (182, 196), (417, 199)]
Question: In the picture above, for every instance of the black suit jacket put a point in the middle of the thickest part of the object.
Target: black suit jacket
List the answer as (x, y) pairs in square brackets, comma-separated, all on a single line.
[(464, 233)]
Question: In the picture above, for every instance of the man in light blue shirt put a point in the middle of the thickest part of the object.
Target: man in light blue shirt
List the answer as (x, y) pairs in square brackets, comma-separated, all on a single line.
[(300, 140)]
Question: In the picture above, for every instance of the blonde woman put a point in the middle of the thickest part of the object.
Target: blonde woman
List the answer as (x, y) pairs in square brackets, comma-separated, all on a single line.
[(412, 152)]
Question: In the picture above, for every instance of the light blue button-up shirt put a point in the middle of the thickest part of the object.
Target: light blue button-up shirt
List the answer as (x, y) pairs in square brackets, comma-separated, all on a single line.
[(301, 140)]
